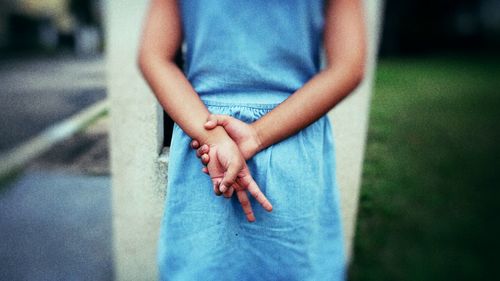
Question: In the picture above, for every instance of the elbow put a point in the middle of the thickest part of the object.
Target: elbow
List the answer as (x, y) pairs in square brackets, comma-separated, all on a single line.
[(149, 59), (144, 59), (357, 68), (352, 71), (358, 73), (358, 63), (141, 61), (355, 62), (352, 68)]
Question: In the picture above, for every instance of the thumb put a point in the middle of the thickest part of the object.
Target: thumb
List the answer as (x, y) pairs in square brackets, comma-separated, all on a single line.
[(215, 185), (215, 120), (230, 176)]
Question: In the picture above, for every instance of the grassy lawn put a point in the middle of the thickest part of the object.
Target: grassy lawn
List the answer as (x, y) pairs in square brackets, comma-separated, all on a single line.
[(430, 204)]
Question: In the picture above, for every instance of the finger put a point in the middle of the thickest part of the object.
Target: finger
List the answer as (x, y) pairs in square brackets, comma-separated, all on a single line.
[(204, 170), (215, 184), (245, 204), (205, 159), (216, 120), (230, 176), (229, 192), (204, 149), (195, 144), (247, 182), (211, 123)]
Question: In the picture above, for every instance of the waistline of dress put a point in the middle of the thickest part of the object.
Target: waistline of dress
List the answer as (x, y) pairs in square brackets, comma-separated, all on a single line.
[(239, 104), (250, 100)]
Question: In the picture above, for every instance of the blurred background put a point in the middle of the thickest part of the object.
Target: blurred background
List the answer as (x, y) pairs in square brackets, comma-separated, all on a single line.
[(428, 205)]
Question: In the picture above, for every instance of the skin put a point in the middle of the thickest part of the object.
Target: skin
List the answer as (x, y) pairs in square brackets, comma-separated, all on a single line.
[(160, 40), (345, 47)]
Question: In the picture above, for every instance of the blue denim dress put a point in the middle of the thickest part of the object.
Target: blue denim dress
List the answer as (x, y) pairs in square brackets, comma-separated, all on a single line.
[(243, 58)]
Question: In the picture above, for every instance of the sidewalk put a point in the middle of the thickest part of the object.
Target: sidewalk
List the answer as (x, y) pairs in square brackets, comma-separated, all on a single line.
[(55, 216)]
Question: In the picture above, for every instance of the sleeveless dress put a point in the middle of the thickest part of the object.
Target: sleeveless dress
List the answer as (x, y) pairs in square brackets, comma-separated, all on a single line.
[(243, 58)]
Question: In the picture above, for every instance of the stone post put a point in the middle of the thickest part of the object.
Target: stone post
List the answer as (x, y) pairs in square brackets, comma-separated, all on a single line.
[(350, 122), (136, 132)]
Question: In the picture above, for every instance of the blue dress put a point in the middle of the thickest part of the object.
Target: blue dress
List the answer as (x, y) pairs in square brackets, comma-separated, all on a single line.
[(243, 58)]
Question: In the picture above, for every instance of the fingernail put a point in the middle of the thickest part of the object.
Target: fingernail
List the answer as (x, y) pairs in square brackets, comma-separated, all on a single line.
[(269, 208), (222, 188)]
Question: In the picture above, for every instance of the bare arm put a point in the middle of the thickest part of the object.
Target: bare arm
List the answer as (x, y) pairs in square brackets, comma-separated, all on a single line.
[(345, 47), (161, 38)]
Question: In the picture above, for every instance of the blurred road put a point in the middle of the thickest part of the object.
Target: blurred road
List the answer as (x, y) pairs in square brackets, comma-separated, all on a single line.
[(56, 226), (55, 217), (36, 92)]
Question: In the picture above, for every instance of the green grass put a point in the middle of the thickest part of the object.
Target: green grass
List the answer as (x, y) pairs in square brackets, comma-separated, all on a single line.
[(429, 204)]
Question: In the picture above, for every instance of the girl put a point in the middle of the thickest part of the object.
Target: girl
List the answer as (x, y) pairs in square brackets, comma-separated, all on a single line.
[(254, 65)]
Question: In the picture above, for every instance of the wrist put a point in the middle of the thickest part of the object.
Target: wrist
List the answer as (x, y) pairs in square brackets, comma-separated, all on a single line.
[(215, 135), (252, 145)]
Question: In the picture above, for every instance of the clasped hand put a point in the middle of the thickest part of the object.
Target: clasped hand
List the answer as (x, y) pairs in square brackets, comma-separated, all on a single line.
[(225, 161)]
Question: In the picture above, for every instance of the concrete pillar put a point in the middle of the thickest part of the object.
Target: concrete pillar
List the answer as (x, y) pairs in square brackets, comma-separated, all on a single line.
[(350, 122), (138, 166), (136, 131)]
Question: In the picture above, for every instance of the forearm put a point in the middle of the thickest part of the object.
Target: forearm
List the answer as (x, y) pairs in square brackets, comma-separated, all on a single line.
[(345, 46), (161, 38), (176, 95), (319, 95)]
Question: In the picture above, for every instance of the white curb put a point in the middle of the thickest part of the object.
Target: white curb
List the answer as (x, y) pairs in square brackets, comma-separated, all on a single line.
[(23, 153)]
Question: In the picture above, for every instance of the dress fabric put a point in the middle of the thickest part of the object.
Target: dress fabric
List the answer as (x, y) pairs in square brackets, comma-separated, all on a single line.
[(243, 58)]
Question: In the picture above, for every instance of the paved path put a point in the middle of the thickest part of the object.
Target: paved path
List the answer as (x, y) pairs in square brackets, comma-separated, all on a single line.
[(38, 92), (56, 226), (55, 218)]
